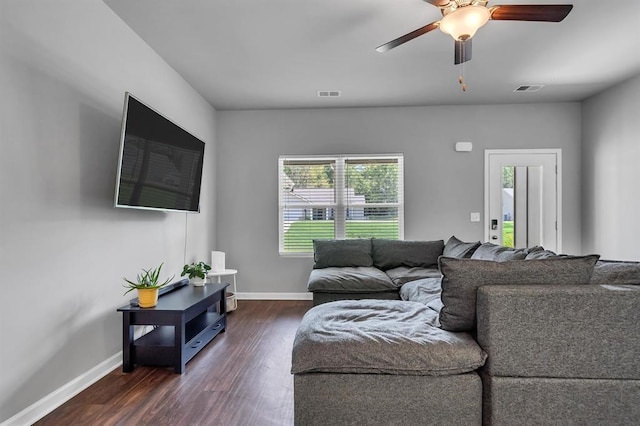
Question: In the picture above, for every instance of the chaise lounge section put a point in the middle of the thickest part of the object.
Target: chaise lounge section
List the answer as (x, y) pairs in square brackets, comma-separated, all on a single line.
[(366, 362)]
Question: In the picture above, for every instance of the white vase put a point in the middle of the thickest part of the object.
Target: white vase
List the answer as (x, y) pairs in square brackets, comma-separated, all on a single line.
[(198, 282)]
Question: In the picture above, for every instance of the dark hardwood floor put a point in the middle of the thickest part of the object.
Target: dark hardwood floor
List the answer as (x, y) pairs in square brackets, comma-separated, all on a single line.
[(241, 378)]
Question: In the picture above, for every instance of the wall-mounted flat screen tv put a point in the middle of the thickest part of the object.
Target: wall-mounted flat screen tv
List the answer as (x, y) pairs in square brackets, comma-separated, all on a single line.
[(160, 166)]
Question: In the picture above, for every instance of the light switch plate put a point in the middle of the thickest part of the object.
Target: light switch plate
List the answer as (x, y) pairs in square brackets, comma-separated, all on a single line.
[(475, 217)]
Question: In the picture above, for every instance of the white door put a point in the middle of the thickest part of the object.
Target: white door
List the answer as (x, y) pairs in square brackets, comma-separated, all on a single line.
[(523, 198)]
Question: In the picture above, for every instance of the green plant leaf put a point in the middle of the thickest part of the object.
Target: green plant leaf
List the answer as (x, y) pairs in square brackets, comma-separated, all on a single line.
[(196, 269), (148, 278)]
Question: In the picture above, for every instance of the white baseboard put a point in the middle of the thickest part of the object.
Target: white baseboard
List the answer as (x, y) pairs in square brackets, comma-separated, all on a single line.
[(41, 408), (275, 296)]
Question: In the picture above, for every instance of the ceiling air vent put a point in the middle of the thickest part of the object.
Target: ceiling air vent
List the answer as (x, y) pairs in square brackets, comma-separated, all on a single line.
[(529, 88), (328, 93)]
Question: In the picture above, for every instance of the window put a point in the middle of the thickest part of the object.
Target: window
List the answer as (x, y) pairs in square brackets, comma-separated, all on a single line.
[(339, 197)]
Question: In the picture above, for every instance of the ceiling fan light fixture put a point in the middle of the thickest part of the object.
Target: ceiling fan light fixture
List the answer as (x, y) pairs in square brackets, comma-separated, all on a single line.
[(462, 23)]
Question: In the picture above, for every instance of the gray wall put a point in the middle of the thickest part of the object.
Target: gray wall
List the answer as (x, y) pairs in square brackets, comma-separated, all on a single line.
[(64, 68), (611, 172), (441, 186)]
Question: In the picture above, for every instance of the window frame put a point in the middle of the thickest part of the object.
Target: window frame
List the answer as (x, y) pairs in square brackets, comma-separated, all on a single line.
[(340, 204)]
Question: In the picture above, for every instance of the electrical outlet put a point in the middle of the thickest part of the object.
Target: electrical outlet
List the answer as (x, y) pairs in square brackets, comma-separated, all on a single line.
[(475, 217)]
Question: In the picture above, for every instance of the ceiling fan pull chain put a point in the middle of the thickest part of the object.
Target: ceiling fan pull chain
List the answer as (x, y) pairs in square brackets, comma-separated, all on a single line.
[(463, 85)]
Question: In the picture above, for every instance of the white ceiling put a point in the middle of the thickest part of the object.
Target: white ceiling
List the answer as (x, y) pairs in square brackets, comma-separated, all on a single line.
[(255, 54)]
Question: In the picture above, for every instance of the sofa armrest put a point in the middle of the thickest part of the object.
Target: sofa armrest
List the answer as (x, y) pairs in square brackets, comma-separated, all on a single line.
[(577, 331)]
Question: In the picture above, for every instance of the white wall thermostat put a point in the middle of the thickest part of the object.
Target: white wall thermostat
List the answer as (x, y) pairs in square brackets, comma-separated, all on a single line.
[(463, 146)]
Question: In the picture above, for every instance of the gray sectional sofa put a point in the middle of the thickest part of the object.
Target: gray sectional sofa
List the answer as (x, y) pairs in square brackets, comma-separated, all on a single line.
[(498, 337)]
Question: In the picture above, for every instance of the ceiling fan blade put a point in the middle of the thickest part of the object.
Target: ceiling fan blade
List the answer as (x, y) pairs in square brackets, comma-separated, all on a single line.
[(462, 51), (438, 3), (408, 37), (531, 12)]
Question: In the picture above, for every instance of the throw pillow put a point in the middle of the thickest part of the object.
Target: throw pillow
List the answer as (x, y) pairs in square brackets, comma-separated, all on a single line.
[(489, 251), (462, 277), (459, 249), (543, 254), (341, 253), (389, 254)]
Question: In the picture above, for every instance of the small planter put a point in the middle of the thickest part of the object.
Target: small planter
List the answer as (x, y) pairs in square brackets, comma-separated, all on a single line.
[(147, 297), (148, 285), (198, 282), (194, 271)]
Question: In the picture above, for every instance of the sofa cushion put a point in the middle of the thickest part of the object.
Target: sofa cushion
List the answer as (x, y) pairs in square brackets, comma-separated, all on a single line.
[(403, 274), (389, 254), (340, 253), (489, 251), (361, 279), (614, 272), (462, 277), (456, 248), (381, 337), (568, 331)]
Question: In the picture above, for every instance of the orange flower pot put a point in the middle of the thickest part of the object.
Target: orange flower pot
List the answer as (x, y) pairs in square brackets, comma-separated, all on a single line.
[(147, 297)]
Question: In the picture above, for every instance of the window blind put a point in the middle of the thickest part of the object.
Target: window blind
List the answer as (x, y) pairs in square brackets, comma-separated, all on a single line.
[(339, 197)]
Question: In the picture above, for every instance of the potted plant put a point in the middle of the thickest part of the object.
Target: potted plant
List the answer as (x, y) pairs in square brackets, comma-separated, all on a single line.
[(147, 283), (197, 272)]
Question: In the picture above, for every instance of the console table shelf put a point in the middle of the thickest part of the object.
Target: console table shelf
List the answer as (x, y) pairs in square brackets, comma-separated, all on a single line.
[(184, 321)]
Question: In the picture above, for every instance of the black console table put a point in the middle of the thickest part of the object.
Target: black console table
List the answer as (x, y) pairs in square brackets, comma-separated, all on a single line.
[(184, 320)]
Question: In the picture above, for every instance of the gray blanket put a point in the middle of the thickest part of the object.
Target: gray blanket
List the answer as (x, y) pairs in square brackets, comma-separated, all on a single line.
[(384, 337), (425, 291)]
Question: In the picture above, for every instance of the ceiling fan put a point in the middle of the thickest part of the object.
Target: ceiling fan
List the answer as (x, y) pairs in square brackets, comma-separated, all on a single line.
[(462, 18)]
